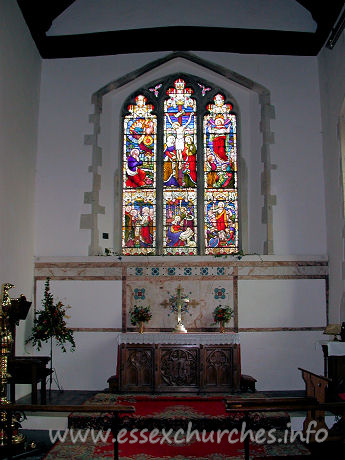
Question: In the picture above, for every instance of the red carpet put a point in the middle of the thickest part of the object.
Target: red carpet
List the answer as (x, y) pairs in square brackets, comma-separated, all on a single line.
[(157, 411), (192, 450), (173, 412)]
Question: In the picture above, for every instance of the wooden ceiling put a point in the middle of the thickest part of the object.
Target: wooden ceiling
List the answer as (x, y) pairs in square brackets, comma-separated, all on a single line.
[(39, 15)]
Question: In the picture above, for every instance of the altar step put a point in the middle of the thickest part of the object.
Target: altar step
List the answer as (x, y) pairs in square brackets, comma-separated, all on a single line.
[(37, 421), (59, 421)]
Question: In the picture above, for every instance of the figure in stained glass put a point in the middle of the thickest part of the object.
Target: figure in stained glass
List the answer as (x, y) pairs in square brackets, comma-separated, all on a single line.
[(219, 127), (189, 162), (140, 133), (179, 118), (170, 168), (136, 177), (139, 145), (177, 236), (180, 222), (220, 145), (221, 222), (212, 176), (146, 237), (138, 236), (139, 227)]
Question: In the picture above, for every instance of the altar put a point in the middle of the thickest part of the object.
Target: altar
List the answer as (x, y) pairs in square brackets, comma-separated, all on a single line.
[(168, 362)]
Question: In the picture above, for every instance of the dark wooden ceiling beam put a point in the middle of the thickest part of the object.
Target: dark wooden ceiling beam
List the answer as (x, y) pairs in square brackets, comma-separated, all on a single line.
[(181, 38), (39, 15)]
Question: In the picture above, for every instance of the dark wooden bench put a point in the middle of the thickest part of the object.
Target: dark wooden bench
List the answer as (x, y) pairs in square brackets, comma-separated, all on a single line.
[(246, 406), (29, 370)]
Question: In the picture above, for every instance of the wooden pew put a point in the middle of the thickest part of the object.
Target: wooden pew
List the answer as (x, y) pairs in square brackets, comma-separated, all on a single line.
[(246, 406), (316, 386)]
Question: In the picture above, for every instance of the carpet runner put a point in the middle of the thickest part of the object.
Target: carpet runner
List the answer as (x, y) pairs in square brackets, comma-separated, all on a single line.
[(193, 450), (205, 413), (157, 411)]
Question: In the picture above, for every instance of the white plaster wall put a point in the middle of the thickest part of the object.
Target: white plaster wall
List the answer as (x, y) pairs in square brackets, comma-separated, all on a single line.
[(89, 366), (282, 303), (273, 358), (93, 304), (19, 96), (63, 159), (332, 85), (20, 67), (297, 181), (249, 141)]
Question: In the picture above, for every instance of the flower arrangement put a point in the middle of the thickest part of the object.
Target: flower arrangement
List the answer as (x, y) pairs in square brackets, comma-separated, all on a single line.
[(140, 314), (50, 323), (222, 314)]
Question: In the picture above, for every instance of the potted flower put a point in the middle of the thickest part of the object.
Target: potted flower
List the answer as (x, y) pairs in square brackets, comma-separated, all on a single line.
[(140, 315), (222, 315), (50, 324)]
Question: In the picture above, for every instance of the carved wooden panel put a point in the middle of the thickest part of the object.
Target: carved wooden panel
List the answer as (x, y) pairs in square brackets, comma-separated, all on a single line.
[(136, 368), (178, 367), (217, 367)]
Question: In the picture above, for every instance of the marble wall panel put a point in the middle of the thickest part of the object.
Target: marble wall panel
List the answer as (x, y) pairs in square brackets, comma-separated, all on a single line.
[(204, 297)]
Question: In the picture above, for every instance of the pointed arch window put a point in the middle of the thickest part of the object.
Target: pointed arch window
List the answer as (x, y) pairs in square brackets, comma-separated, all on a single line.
[(180, 170)]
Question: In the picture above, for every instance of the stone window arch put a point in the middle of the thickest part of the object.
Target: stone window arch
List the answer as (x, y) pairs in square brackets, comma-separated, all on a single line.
[(255, 214)]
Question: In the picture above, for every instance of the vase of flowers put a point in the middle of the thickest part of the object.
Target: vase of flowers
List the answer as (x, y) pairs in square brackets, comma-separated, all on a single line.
[(222, 315), (140, 315), (49, 324)]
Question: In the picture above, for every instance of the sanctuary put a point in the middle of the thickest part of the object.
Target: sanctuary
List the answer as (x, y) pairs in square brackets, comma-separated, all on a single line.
[(160, 152)]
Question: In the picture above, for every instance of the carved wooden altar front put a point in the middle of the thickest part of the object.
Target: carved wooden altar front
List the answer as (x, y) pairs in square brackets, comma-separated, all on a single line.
[(179, 363)]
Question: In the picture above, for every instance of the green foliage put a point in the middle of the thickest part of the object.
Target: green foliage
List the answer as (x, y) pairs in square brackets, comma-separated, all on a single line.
[(50, 323), (139, 314), (222, 314)]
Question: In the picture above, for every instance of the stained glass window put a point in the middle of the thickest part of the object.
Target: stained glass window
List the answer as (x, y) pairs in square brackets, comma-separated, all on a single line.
[(220, 166), (179, 171), (180, 184), (139, 179)]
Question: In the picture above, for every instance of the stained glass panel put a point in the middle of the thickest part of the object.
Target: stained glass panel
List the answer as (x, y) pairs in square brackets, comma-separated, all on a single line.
[(179, 222), (221, 222), (140, 141), (180, 137), (139, 179), (220, 178), (139, 222)]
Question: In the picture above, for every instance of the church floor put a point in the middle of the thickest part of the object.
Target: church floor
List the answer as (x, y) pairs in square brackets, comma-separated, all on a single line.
[(76, 397)]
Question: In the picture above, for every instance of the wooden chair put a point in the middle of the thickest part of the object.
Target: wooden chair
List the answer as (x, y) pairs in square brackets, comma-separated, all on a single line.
[(29, 370)]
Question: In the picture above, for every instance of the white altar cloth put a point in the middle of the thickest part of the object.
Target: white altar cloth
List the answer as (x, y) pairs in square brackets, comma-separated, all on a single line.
[(190, 338), (334, 347)]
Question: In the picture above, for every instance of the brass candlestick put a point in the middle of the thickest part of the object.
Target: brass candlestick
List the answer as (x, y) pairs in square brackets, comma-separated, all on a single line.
[(6, 341)]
